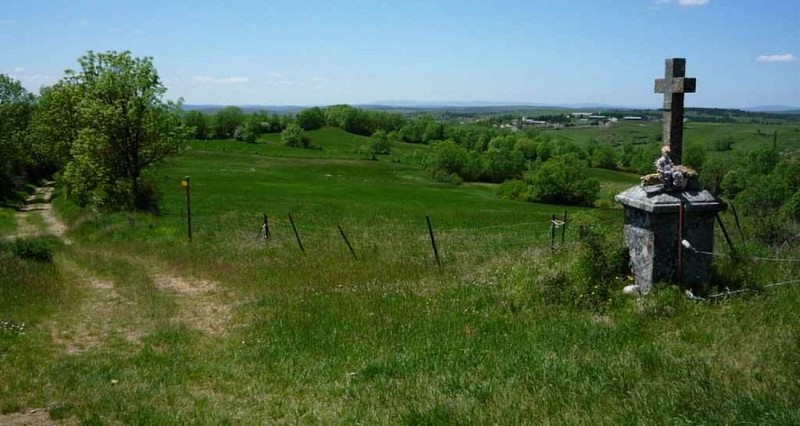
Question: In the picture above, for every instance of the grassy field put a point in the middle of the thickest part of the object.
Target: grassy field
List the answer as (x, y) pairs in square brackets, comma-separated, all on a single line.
[(133, 324), (744, 137)]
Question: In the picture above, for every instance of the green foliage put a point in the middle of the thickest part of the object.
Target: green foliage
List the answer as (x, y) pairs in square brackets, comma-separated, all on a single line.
[(16, 109), (714, 170), (564, 180), (694, 155), (791, 209), (379, 144), (722, 144), (36, 249), (514, 189), (602, 261), (311, 118), (227, 120), (503, 164), (54, 127), (448, 158), (293, 136), (125, 127), (527, 147), (604, 157), (199, 122)]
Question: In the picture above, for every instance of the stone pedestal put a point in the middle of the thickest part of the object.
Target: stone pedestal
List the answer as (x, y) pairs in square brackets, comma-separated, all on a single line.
[(652, 230)]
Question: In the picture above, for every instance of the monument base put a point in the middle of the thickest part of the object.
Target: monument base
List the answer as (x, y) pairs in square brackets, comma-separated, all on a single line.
[(652, 222)]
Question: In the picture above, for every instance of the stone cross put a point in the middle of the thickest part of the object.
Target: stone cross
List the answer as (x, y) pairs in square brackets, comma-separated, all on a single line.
[(673, 86)]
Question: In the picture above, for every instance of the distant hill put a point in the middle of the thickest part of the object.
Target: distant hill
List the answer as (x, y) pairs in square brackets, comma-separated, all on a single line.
[(492, 107), (781, 109), (279, 109)]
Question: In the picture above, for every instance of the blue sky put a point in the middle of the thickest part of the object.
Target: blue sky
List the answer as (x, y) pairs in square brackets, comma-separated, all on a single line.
[(743, 52)]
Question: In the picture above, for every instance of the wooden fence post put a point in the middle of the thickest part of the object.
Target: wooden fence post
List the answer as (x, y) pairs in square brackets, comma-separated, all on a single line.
[(296, 235), (433, 240), (346, 241)]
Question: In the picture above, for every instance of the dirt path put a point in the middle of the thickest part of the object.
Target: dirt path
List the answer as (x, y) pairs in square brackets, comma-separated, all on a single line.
[(198, 301), (106, 314), (38, 208), (201, 303)]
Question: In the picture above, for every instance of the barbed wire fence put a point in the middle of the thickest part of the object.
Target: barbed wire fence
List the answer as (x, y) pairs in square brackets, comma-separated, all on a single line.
[(354, 238), (414, 242)]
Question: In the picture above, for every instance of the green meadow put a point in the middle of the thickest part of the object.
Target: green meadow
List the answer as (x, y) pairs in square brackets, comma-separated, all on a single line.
[(133, 324)]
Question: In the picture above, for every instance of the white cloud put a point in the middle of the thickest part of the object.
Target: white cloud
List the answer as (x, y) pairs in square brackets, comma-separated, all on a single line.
[(7, 22), (784, 57), (19, 69), (220, 80), (83, 22)]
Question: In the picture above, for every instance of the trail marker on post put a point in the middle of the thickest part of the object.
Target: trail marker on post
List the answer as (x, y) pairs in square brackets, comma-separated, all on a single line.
[(186, 184)]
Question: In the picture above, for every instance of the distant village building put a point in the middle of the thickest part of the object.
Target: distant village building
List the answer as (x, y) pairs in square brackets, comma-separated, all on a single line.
[(580, 115), (532, 122), (598, 118), (632, 118)]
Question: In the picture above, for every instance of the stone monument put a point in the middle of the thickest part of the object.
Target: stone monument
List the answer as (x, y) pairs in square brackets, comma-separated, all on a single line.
[(668, 208)]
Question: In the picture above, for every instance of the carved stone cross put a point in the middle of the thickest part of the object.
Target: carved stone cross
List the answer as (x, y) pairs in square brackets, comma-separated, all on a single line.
[(673, 86)]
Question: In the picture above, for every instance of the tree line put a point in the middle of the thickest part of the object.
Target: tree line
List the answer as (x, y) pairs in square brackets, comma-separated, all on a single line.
[(97, 130)]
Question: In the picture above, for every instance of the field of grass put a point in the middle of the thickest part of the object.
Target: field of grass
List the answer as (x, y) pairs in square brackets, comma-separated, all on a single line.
[(133, 324), (745, 137), (327, 142)]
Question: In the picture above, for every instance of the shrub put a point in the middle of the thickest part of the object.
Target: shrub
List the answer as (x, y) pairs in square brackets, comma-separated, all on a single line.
[(379, 144), (451, 178), (513, 190), (504, 164), (448, 158), (37, 249), (564, 180), (602, 262), (293, 136)]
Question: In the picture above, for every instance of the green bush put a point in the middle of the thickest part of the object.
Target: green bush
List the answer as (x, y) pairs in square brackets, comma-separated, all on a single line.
[(514, 190), (38, 249), (564, 180), (602, 262), (379, 144), (442, 176), (592, 270)]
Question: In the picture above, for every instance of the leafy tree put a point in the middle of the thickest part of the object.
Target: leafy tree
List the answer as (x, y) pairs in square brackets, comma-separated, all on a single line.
[(504, 164), (199, 122), (379, 143), (448, 158), (124, 127), (54, 127), (475, 167), (502, 143), (527, 147), (227, 120), (694, 155), (564, 180), (292, 136), (433, 132), (604, 157), (714, 170), (412, 132), (311, 118), (16, 108)]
